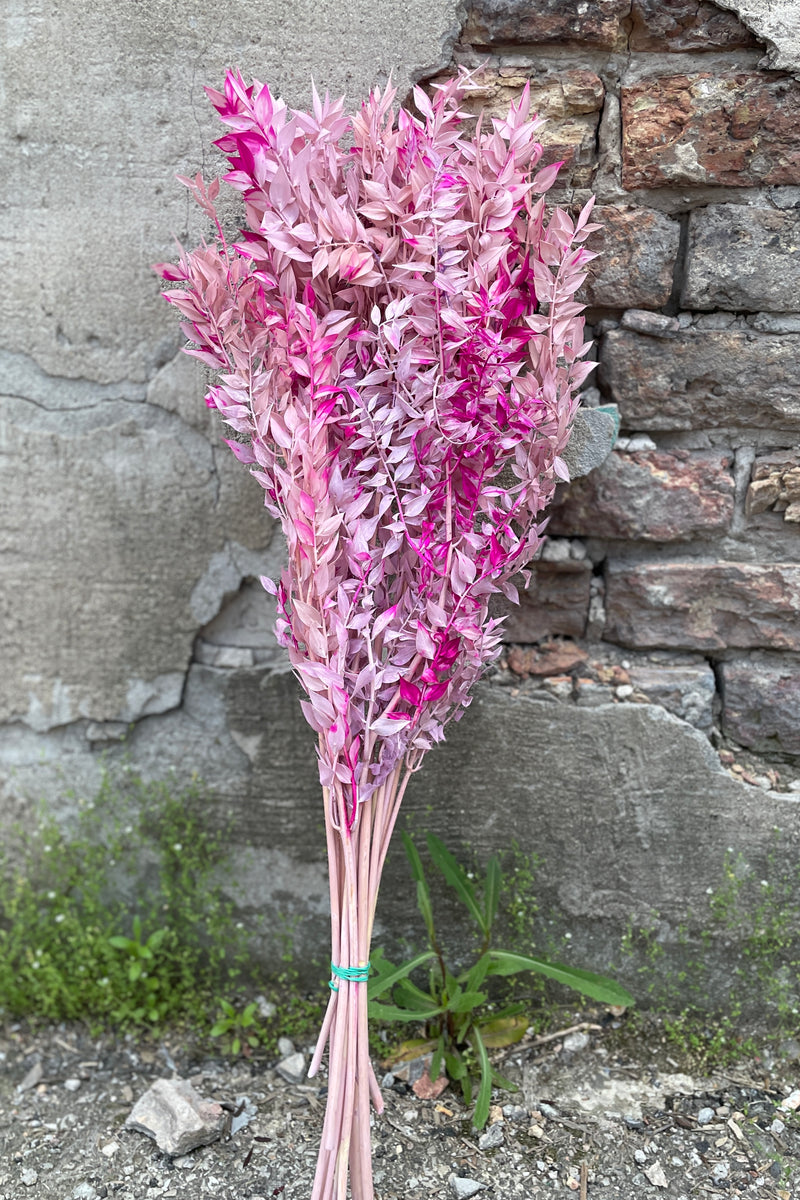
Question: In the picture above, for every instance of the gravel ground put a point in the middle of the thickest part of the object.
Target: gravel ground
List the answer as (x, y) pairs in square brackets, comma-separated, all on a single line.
[(590, 1120)]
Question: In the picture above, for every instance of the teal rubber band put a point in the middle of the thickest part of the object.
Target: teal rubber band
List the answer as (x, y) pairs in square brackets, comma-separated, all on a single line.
[(350, 974)]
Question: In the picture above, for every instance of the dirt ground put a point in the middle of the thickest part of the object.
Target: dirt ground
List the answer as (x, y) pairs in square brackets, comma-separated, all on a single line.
[(590, 1119)]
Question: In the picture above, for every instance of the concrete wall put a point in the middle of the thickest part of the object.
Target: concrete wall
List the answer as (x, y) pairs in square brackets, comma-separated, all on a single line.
[(645, 717)]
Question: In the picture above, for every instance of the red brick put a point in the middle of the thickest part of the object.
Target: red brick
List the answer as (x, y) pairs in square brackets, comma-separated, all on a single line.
[(762, 704), (675, 25), (738, 130), (545, 21), (701, 378), (638, 248), (556, 603), (703, 606), (650, 495), (553, 658)]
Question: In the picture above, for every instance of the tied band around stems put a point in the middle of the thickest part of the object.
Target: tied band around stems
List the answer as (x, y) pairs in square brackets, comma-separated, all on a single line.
[(351, 974)]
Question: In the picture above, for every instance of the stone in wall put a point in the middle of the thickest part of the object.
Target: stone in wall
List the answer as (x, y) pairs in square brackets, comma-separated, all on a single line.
[(701, 378), (739, 130), (569, 100), (678, 25), (638, 248), (556, 603), (761, 707), (740, 257), (101, 593), (546, 21), (703, 606), (687, 690), (649, 495), (775, 485)]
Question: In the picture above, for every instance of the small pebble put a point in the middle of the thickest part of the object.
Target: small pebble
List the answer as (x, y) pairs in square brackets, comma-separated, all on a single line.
[(110, 1149), (515, 1112), (285, 1047), (492, 1138), (30, 1177), (640, 1156), (84, 1191), (720, 1171), (293, 1068), (777, 1126), (72, 1085), (462, 1187), (578, 1040), (388, 1080), (705, 1116), (547, 1110)]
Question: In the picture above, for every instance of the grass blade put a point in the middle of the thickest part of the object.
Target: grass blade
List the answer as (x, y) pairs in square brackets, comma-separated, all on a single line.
[(596, 987), (491, 894), (484, 1098), (376, 987), (456, 876)]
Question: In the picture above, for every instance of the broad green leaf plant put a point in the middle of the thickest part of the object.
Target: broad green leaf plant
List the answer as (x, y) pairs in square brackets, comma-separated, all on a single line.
[(460, 1028)]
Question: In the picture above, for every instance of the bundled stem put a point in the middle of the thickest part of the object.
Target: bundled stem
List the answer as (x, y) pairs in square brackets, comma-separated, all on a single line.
[(356, 858)]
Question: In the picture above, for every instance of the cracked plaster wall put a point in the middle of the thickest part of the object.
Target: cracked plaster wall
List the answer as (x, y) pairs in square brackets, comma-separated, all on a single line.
[(131, 625)]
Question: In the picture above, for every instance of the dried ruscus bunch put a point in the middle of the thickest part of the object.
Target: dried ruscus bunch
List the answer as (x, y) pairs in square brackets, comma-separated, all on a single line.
[(399, 349)]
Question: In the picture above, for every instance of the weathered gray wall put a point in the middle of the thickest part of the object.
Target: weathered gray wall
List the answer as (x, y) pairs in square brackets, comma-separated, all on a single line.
[(661, 727)]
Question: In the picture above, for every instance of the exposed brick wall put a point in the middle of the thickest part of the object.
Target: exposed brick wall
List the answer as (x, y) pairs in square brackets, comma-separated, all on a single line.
[(674, 569)]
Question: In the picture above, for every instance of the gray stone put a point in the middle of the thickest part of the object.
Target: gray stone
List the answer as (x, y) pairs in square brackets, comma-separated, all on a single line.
[(463, 1187), (493, 1137), (649, 495), (637, 252), (686, 691), (652, 323), (775, 322), (30, 1178), (84, 1191), (285, 1047), (740, 257), (555, 603), (703, 605), (591, 440), (31, 1078), (703, 379), (576, 1041), (292, 1068), (246, 1112), (515, 1112), (705, 1116), (776, 24), (761, 707), (179, 1120)]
